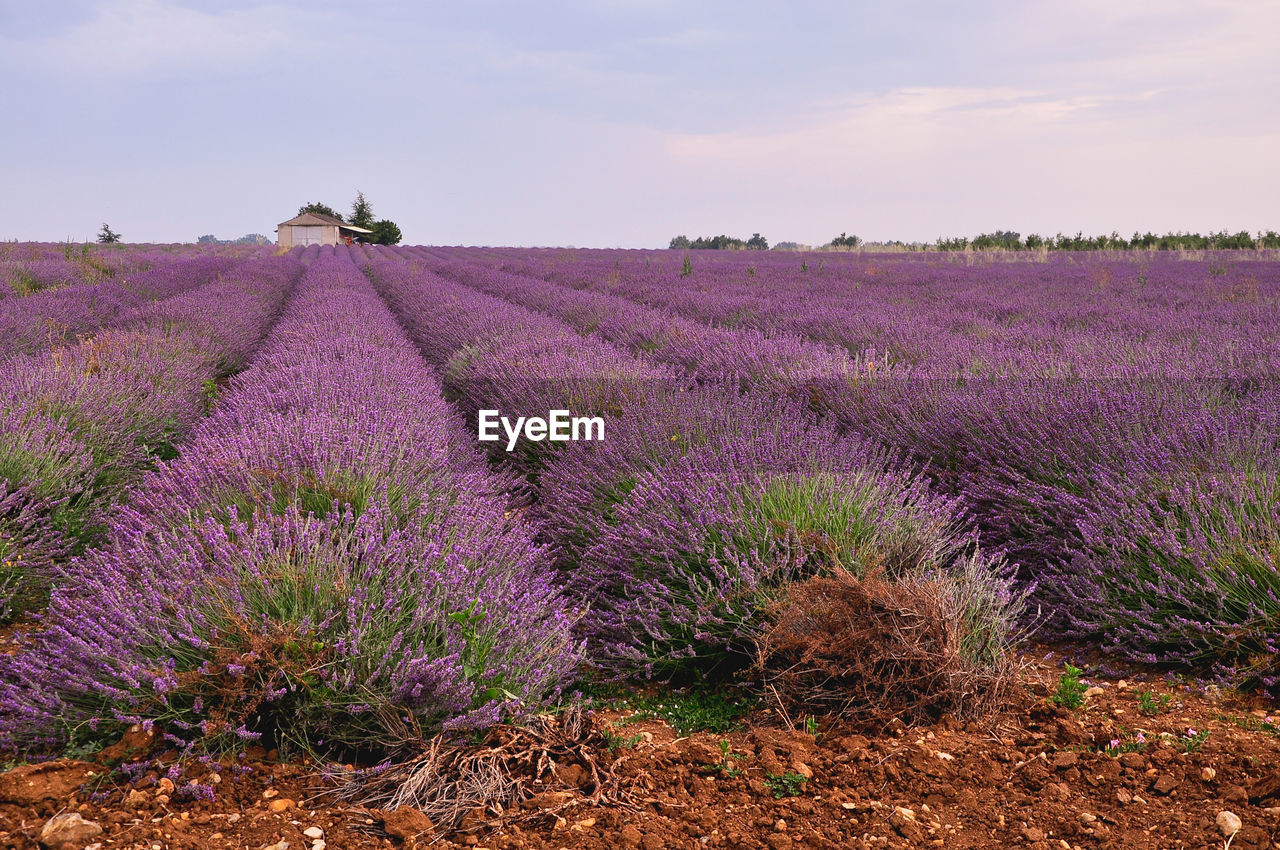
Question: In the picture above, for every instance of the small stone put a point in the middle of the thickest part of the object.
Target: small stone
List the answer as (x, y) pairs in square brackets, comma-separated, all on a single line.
[(630, 835), (1133, 761), (65, 832), (1086, 818), (214, 778), (162, 799), (1139, 801), (1094, 691), (802, 769), (1032, 834), (164, 786), (313, 832), (1207, 774), (779, 841), (233, 817), (904, 821), (1064, 760), (279, 845), (584, 824), (282, 804), (319, 844), (1228, 823), (780, 825), (135, 798), (1164, 784), (269, 793)]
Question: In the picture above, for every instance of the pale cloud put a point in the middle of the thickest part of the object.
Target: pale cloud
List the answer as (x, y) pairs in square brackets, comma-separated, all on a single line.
[(903, 122), (135, 37)]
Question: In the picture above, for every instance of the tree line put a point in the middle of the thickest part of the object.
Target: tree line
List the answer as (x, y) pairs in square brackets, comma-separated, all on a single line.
[(1009, 240)]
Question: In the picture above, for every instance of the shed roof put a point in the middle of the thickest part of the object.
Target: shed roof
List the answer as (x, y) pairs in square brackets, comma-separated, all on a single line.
[(319, 218)]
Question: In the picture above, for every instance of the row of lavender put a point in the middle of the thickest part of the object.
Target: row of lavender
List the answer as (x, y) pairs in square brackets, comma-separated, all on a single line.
[(1114, 426), (79, 424), (86, 301), (329, 562), (1075, 315), (702, 505), (29, 267)]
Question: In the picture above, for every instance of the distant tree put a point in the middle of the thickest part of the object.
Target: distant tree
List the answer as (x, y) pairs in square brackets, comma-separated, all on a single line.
[(958, 243), (844, 240), (322, 209), (107, 235), (718, 243), (680, 242), (758, 243), (1006, 239), (207, 239), (787, 246), (361, 212), (385, 233)]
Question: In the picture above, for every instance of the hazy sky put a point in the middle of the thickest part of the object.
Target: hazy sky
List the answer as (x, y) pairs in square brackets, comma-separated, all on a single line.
[(625, 123)]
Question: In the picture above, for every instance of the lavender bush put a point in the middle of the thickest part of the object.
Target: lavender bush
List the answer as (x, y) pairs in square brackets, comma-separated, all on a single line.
[(79, 424), (345, 575), (701, 548)]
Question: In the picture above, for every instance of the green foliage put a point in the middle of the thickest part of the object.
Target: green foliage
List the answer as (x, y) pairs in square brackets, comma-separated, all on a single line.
[(322, 209), (1267, 726), (361, 212), (209, 393), (1151, 705), (1070, 692), (108, 236), (788, 784), (757, 243), (680, 242), (844, 240), (1127, 744), (1007, 240), (723, 767), (385, 232), (1192, 740), (696, 711), (687, 268), (811, 725), (617, 742)]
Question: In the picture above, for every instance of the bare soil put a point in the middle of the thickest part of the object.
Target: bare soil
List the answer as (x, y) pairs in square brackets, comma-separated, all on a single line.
[(1046, 777)]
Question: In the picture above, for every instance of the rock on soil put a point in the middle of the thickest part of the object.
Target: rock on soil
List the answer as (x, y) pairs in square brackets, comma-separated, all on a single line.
[(68, 832)]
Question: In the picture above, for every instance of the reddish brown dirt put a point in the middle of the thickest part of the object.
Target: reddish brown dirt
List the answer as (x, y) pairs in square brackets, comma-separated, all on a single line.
[(1042, 781)]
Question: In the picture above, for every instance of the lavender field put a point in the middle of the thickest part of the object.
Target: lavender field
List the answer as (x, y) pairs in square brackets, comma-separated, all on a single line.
[(242, 494)]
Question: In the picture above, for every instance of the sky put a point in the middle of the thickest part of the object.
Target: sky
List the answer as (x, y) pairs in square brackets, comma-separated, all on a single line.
[(622, 124)]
